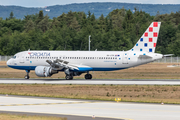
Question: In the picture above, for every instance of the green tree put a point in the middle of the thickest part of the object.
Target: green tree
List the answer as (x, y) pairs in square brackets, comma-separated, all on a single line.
[(40, 17), (11, 16), (44, 24), (29, 26)]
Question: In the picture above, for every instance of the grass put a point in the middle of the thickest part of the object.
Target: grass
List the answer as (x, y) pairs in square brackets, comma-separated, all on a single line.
[(4, 116), (2, 63), (130, 93), (147, 71)]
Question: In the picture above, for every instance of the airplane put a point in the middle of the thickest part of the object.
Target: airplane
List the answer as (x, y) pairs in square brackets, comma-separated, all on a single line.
[(74, 63)]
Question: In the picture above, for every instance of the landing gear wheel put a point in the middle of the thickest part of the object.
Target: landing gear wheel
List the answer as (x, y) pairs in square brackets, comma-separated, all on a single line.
[(88, 76), (26, 77), (69, 77)]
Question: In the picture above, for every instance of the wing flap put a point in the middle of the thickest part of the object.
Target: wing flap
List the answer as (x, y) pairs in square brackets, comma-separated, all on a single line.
[(60, 64)]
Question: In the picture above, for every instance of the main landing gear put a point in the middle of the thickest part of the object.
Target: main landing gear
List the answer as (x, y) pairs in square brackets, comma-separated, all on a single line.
[(69, 77), (88, 76), (27, 76)]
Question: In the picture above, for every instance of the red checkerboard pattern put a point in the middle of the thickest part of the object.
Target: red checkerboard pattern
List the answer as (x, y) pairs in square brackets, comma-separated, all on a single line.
[(155, 34), (146, 34), (150, 29), (155, 24), (154, 44), (147, 42), (150, 39)]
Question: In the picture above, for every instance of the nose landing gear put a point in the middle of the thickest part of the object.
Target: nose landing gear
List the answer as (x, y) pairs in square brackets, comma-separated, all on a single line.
[(27, 76)]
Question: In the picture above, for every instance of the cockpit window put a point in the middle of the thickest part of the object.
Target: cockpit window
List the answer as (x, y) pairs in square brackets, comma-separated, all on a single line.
[(14, 57)]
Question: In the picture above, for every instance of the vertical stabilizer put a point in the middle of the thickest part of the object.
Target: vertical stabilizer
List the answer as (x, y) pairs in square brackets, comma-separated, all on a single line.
[(147, 43)]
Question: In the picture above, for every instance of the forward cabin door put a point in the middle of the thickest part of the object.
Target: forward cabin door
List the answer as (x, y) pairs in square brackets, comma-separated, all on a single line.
[(125, 58), (22, 57)]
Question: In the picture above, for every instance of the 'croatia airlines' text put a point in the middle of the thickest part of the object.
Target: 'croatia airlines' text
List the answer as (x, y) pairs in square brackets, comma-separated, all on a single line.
[(39, 54)]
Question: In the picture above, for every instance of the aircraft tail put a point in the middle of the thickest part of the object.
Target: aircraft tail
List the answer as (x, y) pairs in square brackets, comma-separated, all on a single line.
[(147, 43)]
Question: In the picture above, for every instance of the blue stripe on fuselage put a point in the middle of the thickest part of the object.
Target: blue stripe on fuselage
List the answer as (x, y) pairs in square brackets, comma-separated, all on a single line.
[(22, 67)]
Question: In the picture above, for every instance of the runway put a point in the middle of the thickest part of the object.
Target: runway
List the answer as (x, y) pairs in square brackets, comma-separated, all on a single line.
[(85, 109), (94, 81)]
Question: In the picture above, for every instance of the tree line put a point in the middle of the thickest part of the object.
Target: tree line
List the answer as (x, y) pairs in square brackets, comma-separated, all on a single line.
[(118, 31)]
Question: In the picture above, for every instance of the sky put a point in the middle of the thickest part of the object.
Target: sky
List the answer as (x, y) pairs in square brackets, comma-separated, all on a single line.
[(42, 3)]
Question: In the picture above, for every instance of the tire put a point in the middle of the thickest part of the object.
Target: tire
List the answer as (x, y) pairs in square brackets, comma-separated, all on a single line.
[(26, 77), (88, 76), (69, 77)]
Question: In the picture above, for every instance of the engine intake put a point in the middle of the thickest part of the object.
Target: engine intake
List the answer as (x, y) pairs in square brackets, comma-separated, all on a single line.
[(44, 71)]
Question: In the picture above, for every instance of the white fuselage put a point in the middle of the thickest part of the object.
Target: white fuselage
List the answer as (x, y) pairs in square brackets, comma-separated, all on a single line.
[(85, 60)]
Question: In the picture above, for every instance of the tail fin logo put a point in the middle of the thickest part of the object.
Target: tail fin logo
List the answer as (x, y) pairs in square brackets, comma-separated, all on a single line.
[(147, 43)]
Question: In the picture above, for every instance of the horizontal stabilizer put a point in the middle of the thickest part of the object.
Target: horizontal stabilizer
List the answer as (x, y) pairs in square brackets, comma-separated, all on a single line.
[(168, 55)]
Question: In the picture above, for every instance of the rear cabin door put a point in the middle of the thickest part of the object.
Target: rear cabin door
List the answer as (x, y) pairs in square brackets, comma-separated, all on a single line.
[(125, 58)]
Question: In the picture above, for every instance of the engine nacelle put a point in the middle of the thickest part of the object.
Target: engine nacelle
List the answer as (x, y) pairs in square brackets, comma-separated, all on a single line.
[(44, 71)]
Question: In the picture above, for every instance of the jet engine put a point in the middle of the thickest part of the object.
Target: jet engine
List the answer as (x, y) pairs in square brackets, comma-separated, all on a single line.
[(44, 71)]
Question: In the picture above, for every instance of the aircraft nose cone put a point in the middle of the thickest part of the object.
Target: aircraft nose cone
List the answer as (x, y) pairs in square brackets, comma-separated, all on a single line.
[(8, 62)]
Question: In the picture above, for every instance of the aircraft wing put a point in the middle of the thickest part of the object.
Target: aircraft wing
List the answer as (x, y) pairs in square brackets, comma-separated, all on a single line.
[(61, 64)]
